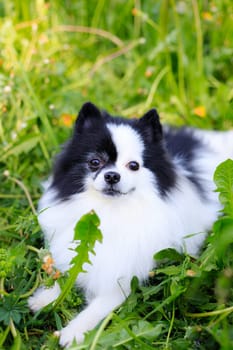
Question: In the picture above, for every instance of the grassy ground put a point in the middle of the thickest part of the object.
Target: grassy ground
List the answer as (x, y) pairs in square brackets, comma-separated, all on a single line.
[(125, 56)]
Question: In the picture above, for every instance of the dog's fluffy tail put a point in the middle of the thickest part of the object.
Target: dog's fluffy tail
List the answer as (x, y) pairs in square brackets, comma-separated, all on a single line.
[(220, 142)]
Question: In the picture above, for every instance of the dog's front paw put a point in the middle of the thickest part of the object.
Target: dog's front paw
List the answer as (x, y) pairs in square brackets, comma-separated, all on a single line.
[(69, 333), (37, 301), (43, 296)]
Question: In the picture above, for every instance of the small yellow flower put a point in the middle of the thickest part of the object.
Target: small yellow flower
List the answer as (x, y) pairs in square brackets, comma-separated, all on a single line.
[(135, 11), (56, 274), (47, 259), (148, 73), (200, 111), (67, 119), (207, 16), (48, 263), (47, 268)]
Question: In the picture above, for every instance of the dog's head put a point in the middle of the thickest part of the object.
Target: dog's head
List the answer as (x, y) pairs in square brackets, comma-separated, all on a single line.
[(112, 156)]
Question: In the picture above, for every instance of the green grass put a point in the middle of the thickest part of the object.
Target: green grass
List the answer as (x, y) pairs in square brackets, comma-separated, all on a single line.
[(125, 56)]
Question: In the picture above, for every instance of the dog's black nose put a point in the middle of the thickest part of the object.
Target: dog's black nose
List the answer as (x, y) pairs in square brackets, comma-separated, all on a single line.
[(112, 177)]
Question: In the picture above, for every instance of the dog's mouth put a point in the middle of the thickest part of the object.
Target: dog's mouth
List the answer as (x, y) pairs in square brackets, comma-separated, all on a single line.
[(111, 191)]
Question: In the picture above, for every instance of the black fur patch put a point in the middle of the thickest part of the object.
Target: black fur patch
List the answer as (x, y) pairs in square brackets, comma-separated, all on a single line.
[(182, 144), (71, 166)]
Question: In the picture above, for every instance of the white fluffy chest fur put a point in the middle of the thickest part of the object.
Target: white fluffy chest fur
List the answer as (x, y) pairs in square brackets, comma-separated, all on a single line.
[(133, 228)]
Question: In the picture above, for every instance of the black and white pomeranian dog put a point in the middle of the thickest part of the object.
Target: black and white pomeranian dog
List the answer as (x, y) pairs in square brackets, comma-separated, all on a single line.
[(150, 187)]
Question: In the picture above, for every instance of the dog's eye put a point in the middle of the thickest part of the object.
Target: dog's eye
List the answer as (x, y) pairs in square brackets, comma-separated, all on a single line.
[(94, 164), (133, 165)]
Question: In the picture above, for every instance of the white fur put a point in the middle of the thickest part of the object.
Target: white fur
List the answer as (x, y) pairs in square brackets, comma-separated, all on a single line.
[(134, 227), (44, 296)]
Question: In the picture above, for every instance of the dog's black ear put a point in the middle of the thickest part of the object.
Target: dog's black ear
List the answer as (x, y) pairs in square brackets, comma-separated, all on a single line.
[(150, 126), (88, 117)]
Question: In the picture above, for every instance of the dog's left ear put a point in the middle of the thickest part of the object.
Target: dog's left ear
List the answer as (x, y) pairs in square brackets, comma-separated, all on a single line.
[(150, 126), (88, 118)]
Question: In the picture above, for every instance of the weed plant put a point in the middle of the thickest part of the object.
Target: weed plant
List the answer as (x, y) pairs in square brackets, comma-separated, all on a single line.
[(125, 56)]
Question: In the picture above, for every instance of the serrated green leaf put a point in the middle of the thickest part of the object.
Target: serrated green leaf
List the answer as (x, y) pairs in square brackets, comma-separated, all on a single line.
[(86, 232)]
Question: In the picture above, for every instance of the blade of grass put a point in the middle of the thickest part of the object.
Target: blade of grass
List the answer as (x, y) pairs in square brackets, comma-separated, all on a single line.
[(100, 330), (180, 54), (39, 108), (155, 86), (95, 31), (199, 36), (116, 54)]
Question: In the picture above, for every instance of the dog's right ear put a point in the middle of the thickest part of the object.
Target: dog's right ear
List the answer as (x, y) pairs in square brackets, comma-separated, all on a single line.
[(88, 118), (150, 126)]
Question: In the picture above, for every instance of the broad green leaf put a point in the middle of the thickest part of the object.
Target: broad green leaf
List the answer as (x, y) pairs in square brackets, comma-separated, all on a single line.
[(169, 254), (142, 329), (12, 309), (126, 334), (223, 178), (147, 330), (170, 270), (223, 229)]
